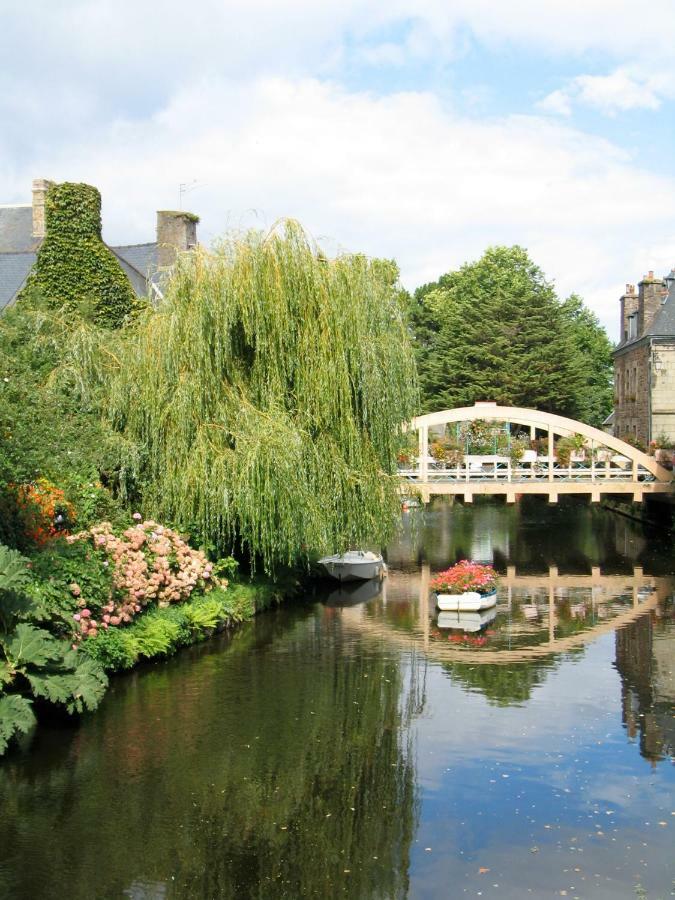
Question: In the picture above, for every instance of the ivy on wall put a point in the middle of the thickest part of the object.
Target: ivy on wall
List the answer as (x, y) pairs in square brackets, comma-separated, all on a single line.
[(74, 266)]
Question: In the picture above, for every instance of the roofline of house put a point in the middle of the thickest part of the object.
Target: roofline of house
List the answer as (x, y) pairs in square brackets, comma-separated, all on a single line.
[(641, 342)]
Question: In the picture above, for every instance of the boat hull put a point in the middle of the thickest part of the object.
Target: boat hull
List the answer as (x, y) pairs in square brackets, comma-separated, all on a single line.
[(354, 566), (469, 601)]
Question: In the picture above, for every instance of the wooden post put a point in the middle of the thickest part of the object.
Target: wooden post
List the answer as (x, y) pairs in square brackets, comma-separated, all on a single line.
[(423, 453), (550, 454)]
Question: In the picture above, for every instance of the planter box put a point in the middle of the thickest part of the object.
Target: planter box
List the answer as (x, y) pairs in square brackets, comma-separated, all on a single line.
[(469, 601)]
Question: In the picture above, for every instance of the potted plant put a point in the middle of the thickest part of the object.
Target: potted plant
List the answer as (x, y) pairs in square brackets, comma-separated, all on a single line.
[(465, 586)]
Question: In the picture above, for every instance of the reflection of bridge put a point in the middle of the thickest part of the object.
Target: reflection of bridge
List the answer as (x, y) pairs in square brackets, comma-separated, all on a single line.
[(609, 465), (603, 588)]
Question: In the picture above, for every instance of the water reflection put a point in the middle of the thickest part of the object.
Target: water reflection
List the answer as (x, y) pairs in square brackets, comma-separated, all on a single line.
[(350, 746), (240, 766)]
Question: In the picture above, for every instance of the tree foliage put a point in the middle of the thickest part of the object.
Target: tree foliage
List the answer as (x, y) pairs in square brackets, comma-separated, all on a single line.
[(45, 429), (495, 330), (266, 396)]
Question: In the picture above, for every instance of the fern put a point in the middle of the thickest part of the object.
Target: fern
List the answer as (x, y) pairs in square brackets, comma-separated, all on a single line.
[(156, 636)]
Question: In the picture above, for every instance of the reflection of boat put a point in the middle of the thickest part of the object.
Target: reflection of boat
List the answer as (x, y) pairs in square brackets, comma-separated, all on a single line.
[(466, 621), (469, 601), (353, 592), (354, 565)]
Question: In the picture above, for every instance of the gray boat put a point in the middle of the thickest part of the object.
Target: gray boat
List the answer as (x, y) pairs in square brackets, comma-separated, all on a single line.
[(354, 565)]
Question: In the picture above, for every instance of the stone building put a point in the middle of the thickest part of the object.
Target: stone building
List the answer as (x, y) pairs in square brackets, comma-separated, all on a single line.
[(644, 362), (22, 229)]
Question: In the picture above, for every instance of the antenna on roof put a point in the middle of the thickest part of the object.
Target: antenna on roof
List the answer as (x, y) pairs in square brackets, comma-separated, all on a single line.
[(185, 188)]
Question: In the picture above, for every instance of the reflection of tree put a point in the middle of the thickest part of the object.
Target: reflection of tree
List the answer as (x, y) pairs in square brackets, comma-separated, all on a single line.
[(270, 773), (647, 712), (528, 535), (503, 685)]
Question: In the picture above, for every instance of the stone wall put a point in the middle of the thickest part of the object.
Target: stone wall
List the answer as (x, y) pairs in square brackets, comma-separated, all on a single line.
[(631, 394), (663, 390)]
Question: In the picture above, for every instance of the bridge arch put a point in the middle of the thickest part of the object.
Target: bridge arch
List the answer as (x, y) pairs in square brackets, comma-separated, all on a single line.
[(645, 471)]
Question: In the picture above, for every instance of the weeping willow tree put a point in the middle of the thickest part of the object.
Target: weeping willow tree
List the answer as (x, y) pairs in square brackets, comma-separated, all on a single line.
[(266, 396)]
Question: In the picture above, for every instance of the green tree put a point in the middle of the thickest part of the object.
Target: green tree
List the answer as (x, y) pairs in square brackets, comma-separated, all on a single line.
[(596, 396), (495, 330), (266, 397)]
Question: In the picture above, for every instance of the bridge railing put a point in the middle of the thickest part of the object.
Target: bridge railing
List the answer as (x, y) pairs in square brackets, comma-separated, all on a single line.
[(489, 469)]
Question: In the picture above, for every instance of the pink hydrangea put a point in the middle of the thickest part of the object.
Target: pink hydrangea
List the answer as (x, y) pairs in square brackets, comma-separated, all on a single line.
[(150, 564)]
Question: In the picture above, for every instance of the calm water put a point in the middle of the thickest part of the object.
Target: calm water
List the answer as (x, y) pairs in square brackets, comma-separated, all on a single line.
[(356, 746)]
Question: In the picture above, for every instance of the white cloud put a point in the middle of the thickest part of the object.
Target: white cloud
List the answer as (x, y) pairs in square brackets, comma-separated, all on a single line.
[(398, 176), (246, 96), (621, 90)]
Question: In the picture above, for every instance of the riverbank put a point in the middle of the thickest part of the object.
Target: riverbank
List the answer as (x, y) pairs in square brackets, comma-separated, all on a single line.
[(163, 632)]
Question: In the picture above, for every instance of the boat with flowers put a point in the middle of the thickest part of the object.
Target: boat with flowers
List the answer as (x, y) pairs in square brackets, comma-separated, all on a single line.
[(465, 587)]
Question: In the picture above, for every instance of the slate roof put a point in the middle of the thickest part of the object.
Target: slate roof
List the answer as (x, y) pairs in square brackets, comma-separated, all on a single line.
[(18, 254), (14, 269), (139, 262), (16, 229)]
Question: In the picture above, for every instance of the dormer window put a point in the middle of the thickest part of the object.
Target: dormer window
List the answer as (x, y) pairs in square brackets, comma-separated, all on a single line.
[(632, 327)]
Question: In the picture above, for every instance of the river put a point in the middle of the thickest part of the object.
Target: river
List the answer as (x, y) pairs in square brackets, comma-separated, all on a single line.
[(356, 746)]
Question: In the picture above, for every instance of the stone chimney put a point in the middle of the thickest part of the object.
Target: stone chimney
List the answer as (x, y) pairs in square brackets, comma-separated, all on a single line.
[(40, 188), (629, 306), (649, 301), (176, 232)]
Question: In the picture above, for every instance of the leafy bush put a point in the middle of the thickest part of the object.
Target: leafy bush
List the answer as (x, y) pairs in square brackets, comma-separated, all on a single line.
[(34, 663), (149, 564)]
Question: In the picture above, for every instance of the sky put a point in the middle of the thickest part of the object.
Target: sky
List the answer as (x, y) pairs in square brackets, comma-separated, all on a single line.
[(421, 132)]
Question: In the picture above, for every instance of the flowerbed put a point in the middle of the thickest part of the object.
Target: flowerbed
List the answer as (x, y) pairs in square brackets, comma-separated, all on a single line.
[(465, 576), (151, 564)]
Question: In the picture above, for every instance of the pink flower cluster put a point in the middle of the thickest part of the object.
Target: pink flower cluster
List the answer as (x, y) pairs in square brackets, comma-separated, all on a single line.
[(150, 564), (465, 576)]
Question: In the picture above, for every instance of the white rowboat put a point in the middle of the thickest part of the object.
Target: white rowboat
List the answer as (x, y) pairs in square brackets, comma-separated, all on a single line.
[(354, 565)]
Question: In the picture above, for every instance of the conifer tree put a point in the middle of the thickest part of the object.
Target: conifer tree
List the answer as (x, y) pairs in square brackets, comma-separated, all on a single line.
[(495, 330)]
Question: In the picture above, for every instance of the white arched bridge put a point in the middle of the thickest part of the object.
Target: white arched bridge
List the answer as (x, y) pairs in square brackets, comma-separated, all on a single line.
[(601, 464)]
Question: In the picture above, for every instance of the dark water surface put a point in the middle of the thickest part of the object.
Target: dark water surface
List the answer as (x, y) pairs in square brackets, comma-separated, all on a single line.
[(356, 746)]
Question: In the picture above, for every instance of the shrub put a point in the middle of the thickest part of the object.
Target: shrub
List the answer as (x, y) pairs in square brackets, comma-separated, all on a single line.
[(150, 564), (33, 662)]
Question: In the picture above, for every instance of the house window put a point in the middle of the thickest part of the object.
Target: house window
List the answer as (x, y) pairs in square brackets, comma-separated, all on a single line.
[(632, 327)]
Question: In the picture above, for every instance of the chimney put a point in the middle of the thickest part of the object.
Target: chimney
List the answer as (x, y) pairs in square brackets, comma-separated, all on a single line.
[(40, 188), (649, 301), (629, 306), (176, 232)]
